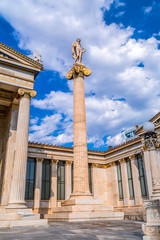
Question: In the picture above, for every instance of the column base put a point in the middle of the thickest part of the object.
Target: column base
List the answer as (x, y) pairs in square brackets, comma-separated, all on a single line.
[(81, 196)]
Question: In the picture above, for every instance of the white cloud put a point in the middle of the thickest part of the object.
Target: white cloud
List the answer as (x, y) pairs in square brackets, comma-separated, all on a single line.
[(120, 14), (147, 9), (112, 54), (115, 140)]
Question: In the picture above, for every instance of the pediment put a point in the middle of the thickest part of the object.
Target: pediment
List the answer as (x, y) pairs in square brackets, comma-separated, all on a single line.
[(11, 56)]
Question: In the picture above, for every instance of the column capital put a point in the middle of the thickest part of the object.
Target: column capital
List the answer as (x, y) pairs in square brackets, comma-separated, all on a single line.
[(78, 70), (27, 92), (132, 157), (53, 161), (39, 159), (113, 164), (122, 160), (94, 164), (68, 162)]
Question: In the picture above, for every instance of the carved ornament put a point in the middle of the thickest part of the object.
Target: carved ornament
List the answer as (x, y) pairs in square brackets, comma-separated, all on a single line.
[(78, 70), (27, 92)]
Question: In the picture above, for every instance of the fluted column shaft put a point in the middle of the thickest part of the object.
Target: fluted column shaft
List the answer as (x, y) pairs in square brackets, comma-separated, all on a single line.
[(81, 182), (17, 193), (38, 184), (68, 180), (125, 182), (53, 200)]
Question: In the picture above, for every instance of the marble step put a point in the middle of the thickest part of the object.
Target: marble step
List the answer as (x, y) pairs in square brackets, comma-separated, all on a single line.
[(84, 216), (14, 210), (24, 223), (82, 208)]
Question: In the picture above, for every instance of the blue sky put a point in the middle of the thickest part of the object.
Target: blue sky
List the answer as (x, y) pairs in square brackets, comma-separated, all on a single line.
[(122, 40)]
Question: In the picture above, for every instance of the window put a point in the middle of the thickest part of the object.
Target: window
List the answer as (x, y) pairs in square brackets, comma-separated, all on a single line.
[(90, 176), (119, 175), (130, 179), (30, 179), (141, 175), (46, 180), (71, 177), (61, 180)]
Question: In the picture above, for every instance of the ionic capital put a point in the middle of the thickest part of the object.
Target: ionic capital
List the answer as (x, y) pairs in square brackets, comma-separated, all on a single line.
[(69, 162), (132, 157), (54, 161), (122, 160), (27, 92), (78, 70), (113, 164), (39, 159)]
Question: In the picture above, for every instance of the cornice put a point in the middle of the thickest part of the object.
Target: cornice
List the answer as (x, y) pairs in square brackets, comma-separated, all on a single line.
[(20, 55), (92, 152)]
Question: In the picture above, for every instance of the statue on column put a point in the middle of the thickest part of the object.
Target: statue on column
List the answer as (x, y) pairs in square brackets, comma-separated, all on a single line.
[(77, 51)]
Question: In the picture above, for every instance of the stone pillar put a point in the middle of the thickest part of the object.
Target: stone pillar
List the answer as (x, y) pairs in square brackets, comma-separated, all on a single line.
[(152, 228), (17, 192), (10, 146), (38, 183), (115, 184), (53, 199), (136, 181), (80, 175), (124, 182), (68, 181), (148, 173)]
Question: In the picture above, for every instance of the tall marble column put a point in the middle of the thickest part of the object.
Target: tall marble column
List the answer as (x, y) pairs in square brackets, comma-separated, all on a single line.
[(125, 182), (38, 184), (136, 181), (53, 199), (17, 192), (80, 176)]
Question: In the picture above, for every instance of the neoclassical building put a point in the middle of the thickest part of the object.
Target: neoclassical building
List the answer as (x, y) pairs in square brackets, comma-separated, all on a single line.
[(38, 178)]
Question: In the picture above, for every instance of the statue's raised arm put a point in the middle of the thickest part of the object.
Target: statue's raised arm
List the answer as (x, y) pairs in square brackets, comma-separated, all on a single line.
[(77, 51)]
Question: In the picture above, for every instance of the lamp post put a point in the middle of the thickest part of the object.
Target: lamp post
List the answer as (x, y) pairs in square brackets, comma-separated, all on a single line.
[(150, 143)]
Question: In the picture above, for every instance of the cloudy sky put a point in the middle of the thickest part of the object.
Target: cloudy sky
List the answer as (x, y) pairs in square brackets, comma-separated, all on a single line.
[(122, 39)]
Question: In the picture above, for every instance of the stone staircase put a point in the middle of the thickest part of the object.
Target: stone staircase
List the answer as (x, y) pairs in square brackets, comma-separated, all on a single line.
[(20, 217), (83, 210)]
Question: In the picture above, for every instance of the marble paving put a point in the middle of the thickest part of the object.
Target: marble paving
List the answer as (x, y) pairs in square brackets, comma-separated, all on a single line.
[(104, 230)]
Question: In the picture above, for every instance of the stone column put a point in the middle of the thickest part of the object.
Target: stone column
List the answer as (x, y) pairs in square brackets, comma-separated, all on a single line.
[(124, 182), (80, 176), (115, 184), (38, 183), (148, 173), (152, 228), (17, 192), (68, 182), (10, 146), (136, 181), (53, 199)]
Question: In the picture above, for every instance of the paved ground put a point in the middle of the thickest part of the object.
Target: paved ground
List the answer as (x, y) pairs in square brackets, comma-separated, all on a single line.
[(108, 230)]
